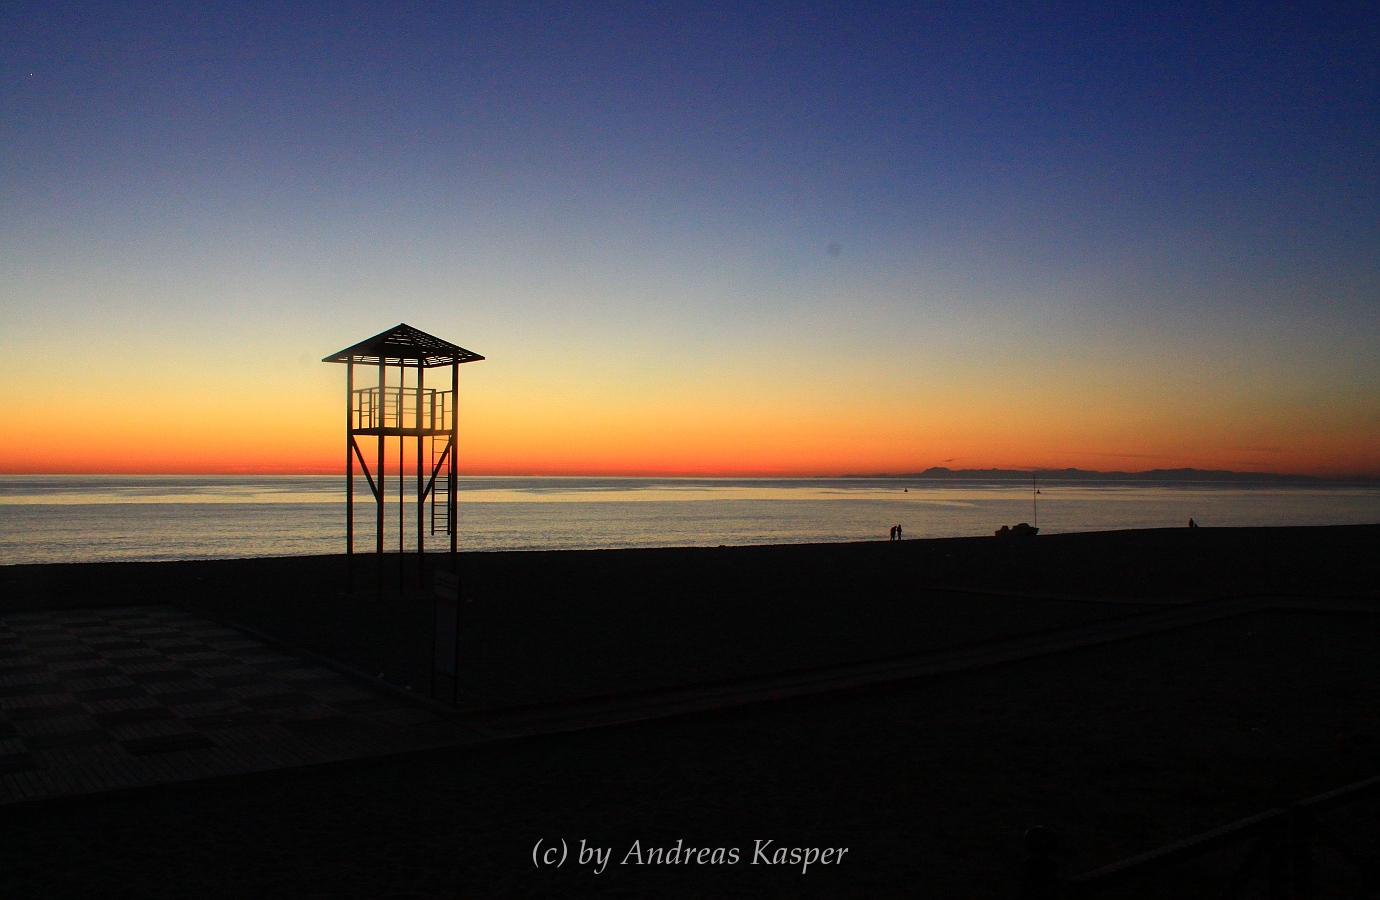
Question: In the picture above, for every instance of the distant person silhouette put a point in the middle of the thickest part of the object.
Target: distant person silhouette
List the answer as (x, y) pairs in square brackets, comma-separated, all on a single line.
[(893, 533), (898, 532), (1192, 524)]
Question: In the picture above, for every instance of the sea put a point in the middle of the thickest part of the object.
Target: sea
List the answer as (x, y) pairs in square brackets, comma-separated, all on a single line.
[(82, 518)]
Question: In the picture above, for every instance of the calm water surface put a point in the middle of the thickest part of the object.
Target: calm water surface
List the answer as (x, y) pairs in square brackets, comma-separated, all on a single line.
[(93, 518)]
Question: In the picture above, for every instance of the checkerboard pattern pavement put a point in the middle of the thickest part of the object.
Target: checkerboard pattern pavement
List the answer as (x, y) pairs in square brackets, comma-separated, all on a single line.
[(94, 700)]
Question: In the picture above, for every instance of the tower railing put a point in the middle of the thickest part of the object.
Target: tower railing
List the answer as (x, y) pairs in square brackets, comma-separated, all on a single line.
[(397, 408)]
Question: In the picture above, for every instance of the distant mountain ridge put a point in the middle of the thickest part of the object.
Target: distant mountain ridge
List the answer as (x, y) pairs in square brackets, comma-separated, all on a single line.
[(941, 472)]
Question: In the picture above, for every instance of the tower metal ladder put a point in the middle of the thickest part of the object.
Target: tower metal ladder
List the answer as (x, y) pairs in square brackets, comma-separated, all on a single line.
[(440, 488)]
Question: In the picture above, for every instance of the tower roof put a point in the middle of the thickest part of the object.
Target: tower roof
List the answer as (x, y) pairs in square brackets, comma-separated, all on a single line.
[(403, 344)]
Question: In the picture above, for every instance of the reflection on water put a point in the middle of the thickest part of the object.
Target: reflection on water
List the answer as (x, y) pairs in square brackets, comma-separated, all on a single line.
[(89, 518), (47, 490)]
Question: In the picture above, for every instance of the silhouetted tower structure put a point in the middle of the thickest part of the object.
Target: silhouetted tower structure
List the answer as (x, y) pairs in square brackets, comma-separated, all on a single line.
[(393, 407)]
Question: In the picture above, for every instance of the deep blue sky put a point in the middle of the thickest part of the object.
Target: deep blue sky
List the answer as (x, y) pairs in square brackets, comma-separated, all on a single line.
[(768, 181)]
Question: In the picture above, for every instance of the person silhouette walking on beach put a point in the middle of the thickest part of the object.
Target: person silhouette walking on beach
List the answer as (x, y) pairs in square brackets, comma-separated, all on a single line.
[(893, 532), (1192, 524), (898, 532)]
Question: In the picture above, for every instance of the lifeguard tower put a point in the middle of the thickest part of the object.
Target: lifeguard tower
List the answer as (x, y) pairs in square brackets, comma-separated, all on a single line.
[(399, 407)]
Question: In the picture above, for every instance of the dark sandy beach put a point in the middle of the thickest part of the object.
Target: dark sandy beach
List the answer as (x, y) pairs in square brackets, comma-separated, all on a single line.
[(929, 783)]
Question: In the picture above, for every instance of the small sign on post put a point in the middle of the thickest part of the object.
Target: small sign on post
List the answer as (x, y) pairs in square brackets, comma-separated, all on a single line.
[(445, 667)]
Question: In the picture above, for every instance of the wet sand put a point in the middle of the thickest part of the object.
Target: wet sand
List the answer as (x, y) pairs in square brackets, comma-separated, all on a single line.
[(1122, 747)]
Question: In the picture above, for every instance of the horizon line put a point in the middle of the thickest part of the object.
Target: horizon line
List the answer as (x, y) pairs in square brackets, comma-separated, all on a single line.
[(933, 472)]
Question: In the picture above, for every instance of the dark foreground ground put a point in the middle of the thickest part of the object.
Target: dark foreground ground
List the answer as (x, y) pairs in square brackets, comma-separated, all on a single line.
[(1121, 747)]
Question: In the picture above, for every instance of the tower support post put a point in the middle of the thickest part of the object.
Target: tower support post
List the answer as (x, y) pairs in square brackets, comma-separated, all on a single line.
[(421, 485), (451, 499), (350, 477), (381, 412)]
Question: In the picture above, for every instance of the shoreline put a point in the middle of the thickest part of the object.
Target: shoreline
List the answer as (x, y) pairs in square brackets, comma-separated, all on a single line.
[(1231, 540), (183, 519)]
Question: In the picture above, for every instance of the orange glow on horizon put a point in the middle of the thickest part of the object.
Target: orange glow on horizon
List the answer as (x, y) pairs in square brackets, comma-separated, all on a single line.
[(525, 418), (709, 459)]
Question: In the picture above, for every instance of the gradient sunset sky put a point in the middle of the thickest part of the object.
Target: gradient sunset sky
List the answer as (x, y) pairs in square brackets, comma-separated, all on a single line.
[(780, 238)]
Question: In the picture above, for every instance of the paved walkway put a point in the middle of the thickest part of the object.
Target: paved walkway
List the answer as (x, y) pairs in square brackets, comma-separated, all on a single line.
[(95, 700), (98, 700)]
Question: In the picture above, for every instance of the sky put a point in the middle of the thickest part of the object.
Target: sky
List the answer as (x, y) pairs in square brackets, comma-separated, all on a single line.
[(696, 238)]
